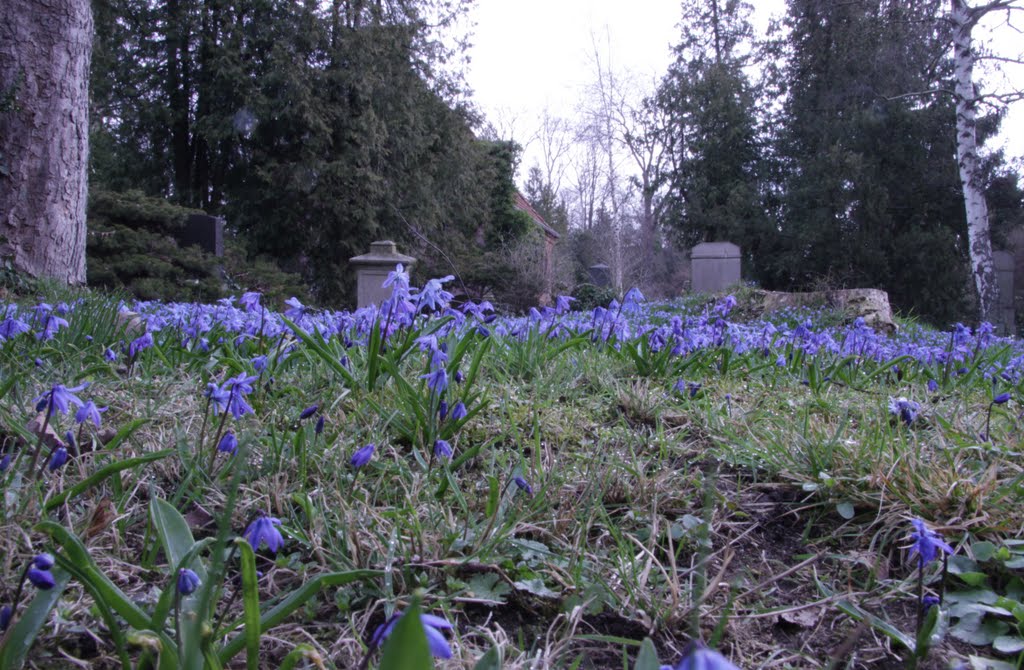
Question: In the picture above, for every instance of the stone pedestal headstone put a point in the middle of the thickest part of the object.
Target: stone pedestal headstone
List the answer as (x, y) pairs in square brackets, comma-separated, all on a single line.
[(1005, 317), (600, 275), (206, 231), (714, 266), (372, 270)]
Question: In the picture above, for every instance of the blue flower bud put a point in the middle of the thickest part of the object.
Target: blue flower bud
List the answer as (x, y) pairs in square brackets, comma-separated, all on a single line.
[(363, 456), (188, 581), (43, 561), (229, 443), (41, 579), (442, 449), (57, 459)]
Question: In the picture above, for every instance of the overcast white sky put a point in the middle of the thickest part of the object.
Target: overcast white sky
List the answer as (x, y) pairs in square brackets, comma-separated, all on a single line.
[(529, 55)]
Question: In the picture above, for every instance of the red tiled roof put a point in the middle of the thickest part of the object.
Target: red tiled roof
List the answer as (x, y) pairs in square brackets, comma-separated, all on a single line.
[(523, 205)]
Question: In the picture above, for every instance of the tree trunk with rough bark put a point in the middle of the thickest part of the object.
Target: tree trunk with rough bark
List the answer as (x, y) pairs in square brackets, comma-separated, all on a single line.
[(964, 18), (45, 51)]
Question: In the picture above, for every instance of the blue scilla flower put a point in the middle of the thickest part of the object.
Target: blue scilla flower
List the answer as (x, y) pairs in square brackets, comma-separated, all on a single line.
[(363, 456), (631, 301), (145, 341), (57, 459), (295, 308), (250, 301), (61, 397), (699, 657), (933, 386), (926, 543), (442, 449), (523, 484), (308, 412), (432, 627), (433, 295), (459, 412), (263, 530), (1001, 399), (5, 462), (188, 582), (89, 412), (437, 381), (229, 443), (398, 278), (236, 388), (319, 425), (905, 409), (6, 614)]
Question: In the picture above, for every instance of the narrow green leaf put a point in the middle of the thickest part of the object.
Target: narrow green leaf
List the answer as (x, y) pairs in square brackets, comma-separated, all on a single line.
[(321, 351), (493, 493), (924, 635), (101, 474), (300, 653), (92, 577), (647, 659), (858, 614), (294, 601), (163, 605), (492, 660), (406, 648), (174, 534), (30, 621), (124, 433), (250, 603)]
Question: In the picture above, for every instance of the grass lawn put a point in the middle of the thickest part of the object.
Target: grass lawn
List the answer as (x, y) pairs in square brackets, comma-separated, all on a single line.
[(568, 489)]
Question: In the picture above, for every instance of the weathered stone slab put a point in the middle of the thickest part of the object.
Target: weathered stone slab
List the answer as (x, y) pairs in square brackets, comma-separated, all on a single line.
[(870, 303), (714, 266), (206, 231)]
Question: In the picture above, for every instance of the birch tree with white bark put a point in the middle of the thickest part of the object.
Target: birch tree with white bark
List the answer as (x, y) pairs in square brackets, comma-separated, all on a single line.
[(963, 19)]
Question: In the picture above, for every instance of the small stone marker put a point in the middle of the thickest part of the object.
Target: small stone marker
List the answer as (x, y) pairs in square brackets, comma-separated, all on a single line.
[(714, 266), (600, 275), (372, 270), (1005, 316), (206, 231)]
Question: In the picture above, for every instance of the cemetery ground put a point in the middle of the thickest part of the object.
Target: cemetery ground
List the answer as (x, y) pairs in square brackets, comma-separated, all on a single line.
[(226, 486)]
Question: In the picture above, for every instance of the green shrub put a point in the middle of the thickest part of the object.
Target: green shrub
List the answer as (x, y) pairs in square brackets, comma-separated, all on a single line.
[(589, 296)]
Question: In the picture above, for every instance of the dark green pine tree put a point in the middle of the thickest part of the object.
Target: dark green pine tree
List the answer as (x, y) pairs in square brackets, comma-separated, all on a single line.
[(315, 129), (869, 179), (711, 178), (542, 197)]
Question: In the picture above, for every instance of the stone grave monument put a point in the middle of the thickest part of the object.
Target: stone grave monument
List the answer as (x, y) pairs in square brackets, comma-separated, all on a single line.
[(1005, 317), (600, 275), (205, 231), (372, 270), (714, 266)]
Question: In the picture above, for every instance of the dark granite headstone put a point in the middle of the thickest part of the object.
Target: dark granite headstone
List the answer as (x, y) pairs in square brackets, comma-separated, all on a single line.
[(206, 231), (600, 275)]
